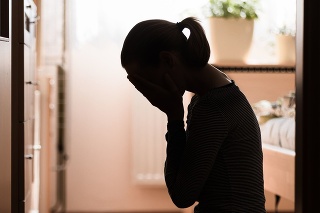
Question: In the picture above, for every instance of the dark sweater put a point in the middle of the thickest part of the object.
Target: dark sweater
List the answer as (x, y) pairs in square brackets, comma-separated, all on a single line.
[(217, 160)]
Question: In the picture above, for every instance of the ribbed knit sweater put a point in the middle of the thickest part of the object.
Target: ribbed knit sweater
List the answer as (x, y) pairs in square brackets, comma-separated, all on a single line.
[(217, 160)]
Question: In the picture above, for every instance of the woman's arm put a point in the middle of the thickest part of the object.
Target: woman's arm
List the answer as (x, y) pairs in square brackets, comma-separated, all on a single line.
[(190, 160)]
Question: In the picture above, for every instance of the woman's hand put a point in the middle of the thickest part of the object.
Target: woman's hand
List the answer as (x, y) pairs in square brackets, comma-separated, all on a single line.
[(166, 98)]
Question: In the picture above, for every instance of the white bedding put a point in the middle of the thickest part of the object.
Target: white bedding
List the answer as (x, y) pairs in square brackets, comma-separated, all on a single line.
[(279, 132)]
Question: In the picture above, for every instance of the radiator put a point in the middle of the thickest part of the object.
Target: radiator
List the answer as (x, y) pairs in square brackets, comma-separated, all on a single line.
[(148, 142), (149, 127)]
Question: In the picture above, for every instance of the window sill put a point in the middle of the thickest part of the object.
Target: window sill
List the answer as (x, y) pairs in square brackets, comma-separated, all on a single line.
[(256, 67)]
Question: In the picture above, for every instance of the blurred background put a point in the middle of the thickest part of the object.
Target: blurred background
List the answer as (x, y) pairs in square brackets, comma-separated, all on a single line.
[(102, 144)]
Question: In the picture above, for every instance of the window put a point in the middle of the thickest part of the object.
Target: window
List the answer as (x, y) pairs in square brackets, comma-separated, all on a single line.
[(115, 19)]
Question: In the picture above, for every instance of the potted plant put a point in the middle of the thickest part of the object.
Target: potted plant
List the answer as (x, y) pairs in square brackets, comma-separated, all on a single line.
[(285, 45), (231, 24)]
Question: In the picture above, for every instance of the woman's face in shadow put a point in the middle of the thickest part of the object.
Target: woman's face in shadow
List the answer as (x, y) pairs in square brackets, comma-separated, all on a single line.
[(156, 74), (152, 74)]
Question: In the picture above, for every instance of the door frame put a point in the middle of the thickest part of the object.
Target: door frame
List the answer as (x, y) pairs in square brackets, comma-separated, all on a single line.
[(307, 162)]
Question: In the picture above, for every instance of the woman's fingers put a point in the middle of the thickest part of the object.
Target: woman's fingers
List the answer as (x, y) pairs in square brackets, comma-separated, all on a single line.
[(167, 98), (148, 89), (139, 81)]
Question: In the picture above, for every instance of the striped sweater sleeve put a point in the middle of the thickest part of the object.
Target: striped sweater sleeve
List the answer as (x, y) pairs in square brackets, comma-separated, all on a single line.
[(191, 156)]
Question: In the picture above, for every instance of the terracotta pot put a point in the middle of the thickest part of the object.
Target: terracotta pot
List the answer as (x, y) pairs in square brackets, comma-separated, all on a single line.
[(285, 49), (230, 39)]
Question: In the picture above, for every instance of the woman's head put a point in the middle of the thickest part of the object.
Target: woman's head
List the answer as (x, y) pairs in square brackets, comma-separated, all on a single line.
[(147, 39)]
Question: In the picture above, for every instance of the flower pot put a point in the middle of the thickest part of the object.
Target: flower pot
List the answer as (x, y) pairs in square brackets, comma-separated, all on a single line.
[(230, 39), (285, 49)]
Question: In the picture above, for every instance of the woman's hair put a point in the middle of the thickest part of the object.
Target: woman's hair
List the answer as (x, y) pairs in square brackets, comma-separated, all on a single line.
[(148, 38)]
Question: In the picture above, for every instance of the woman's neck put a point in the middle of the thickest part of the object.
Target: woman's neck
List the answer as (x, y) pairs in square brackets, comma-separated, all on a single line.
[(202, 80)]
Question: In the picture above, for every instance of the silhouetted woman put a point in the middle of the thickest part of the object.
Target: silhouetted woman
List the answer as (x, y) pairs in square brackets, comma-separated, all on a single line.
[(217, 159)]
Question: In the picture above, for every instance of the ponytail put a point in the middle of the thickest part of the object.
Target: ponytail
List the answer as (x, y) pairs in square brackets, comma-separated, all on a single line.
[(197, 50)]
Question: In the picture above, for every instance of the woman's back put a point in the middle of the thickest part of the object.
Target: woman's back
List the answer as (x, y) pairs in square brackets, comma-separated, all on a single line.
[(235, 181)]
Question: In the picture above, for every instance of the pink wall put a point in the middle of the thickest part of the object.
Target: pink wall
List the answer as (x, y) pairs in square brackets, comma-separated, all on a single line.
[(99, 170), (264, 86)]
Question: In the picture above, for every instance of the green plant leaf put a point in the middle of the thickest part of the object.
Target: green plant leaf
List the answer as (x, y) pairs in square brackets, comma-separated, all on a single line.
[(246, 9)]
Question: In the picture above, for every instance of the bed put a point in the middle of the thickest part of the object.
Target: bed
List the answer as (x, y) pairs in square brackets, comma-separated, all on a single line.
[(279, 157), (278, 144)]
